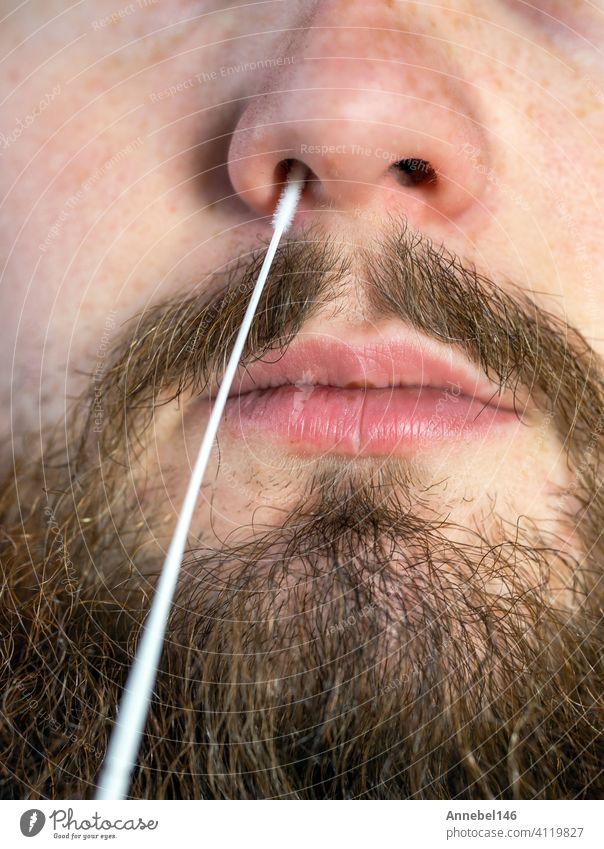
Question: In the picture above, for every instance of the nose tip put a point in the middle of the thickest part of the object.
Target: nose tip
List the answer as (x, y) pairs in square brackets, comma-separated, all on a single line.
[(388, 132)]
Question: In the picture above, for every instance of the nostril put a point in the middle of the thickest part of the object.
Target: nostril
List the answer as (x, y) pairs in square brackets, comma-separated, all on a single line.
[(414, 172), (283, 169), (285, 166)]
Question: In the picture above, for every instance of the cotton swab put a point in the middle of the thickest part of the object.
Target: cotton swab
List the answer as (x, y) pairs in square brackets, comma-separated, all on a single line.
[(125, 740)]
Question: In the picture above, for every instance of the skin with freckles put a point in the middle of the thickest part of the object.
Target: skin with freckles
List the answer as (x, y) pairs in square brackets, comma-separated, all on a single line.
[(401, 520)]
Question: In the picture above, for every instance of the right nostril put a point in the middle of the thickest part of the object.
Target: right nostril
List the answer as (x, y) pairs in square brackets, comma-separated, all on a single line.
[(284, 167), (414, 172)]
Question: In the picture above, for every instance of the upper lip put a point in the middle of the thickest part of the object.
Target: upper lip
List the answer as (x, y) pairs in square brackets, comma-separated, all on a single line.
[(348, 359)]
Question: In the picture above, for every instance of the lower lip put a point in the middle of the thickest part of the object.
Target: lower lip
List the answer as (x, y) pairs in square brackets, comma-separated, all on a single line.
[(361, 422)]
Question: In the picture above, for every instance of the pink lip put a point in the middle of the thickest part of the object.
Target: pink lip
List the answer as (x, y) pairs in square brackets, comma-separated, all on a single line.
[(323, 395)]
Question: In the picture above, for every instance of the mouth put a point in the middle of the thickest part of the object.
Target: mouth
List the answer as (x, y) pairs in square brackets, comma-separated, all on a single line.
[(347, 393)]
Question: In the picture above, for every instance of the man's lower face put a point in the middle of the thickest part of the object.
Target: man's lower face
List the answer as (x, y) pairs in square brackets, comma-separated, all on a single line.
[(393, 588)]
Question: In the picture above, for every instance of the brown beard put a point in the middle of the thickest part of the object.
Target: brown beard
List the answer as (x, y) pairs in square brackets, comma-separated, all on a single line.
[(356, 651)]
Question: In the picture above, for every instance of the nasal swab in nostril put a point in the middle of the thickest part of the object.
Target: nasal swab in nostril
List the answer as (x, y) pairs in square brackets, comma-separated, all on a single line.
[(125, 739)]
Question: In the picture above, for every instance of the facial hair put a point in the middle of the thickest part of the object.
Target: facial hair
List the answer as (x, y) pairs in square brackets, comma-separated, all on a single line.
[(362, 649)]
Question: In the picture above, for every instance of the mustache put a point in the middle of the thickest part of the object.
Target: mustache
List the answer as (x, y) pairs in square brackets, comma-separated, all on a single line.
[(181, 345), (514, 340)]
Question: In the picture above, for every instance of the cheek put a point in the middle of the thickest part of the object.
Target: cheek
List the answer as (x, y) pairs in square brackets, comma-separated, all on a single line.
[(572, 211), (563, 179), (571, 22)]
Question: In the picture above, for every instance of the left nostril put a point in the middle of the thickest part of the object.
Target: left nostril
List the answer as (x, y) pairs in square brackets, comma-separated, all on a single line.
[(283, 168), (414, 172)]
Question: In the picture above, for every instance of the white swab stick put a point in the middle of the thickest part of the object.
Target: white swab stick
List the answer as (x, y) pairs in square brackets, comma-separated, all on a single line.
[(122, 751)]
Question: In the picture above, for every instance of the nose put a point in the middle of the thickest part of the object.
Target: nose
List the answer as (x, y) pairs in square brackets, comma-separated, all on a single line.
[(380, 117)]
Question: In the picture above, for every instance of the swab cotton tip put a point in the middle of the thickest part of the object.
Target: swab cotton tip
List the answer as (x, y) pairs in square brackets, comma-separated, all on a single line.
[(290, 196), (122, 752)]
